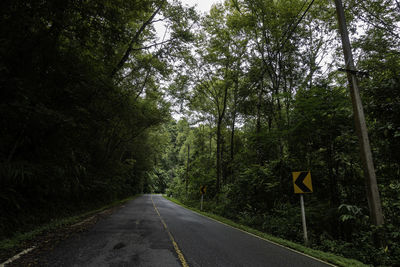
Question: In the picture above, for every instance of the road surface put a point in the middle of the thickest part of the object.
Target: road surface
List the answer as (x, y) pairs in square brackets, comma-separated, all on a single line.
[(152, 231)]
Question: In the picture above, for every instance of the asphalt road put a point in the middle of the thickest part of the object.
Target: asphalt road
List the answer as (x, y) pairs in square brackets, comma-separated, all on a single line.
[(152, 231)]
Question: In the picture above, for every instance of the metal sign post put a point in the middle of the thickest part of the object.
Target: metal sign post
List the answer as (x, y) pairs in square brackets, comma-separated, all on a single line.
[(303, 219), (203, 190), (302, 184)]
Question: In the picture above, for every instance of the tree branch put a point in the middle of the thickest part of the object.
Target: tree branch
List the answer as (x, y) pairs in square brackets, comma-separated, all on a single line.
[(133, 41)]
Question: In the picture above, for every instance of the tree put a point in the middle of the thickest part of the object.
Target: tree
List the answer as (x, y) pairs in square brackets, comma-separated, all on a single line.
[(80, 99)]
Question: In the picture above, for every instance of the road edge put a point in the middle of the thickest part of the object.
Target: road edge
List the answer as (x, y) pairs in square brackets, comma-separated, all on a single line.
[(23, 243), (325, 257)]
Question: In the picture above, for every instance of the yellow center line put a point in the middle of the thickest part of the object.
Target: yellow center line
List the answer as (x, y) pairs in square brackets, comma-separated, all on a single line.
[(256, 236), (178, 251)]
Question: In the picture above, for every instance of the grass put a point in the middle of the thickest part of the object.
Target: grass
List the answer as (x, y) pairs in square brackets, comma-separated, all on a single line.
[(19, 239), (324, 256)]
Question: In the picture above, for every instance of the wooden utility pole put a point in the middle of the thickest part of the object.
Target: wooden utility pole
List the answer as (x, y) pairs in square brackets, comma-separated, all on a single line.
[(374, 201), (187, 170)]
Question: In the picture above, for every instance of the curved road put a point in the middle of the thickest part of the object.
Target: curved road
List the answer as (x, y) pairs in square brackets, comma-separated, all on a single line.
[(152, 231)]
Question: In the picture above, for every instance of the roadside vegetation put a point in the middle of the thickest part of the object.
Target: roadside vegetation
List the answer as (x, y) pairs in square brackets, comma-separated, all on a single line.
[(261, 102), (55, 230), (89, 90), (80, 104)]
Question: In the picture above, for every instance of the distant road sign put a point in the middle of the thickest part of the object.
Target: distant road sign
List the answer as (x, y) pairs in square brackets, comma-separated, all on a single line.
[(203, 189), (302, 182)]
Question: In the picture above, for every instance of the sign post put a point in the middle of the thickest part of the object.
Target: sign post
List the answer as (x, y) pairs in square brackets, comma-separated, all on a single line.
[(303, 219), (203, 189), (302, 185)]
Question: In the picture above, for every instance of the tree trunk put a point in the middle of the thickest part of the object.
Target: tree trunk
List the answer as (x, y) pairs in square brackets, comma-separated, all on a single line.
[(187, 170), (218, 154), (334, 195), (258, 128), (221, 115), (232, 148), (210, 140), (223, 163)]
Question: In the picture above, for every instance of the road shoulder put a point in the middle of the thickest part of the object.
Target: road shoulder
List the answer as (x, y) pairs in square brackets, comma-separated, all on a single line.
[(23, 248)]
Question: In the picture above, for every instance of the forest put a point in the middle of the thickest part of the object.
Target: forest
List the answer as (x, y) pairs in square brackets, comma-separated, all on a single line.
[(97, 105)]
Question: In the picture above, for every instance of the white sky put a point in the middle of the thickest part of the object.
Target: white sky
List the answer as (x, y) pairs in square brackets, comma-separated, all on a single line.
[(202, 5)]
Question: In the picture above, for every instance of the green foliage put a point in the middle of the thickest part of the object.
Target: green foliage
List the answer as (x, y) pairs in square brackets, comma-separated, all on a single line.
[(81, 104), (286, 111), (349, 212), (85, 113)]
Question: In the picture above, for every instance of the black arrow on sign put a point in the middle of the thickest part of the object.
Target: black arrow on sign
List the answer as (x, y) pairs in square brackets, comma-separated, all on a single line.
[(202, 189), (299, 182)]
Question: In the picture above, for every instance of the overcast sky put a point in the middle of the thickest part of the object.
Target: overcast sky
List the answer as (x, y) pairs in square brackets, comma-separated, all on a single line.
[(202, 5)]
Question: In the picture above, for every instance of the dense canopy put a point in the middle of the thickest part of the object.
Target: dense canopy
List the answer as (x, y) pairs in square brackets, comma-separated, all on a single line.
[(96, 105)]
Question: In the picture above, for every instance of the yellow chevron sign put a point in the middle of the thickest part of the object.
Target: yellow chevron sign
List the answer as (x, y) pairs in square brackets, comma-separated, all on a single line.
[(302, 182), (203, 189)]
